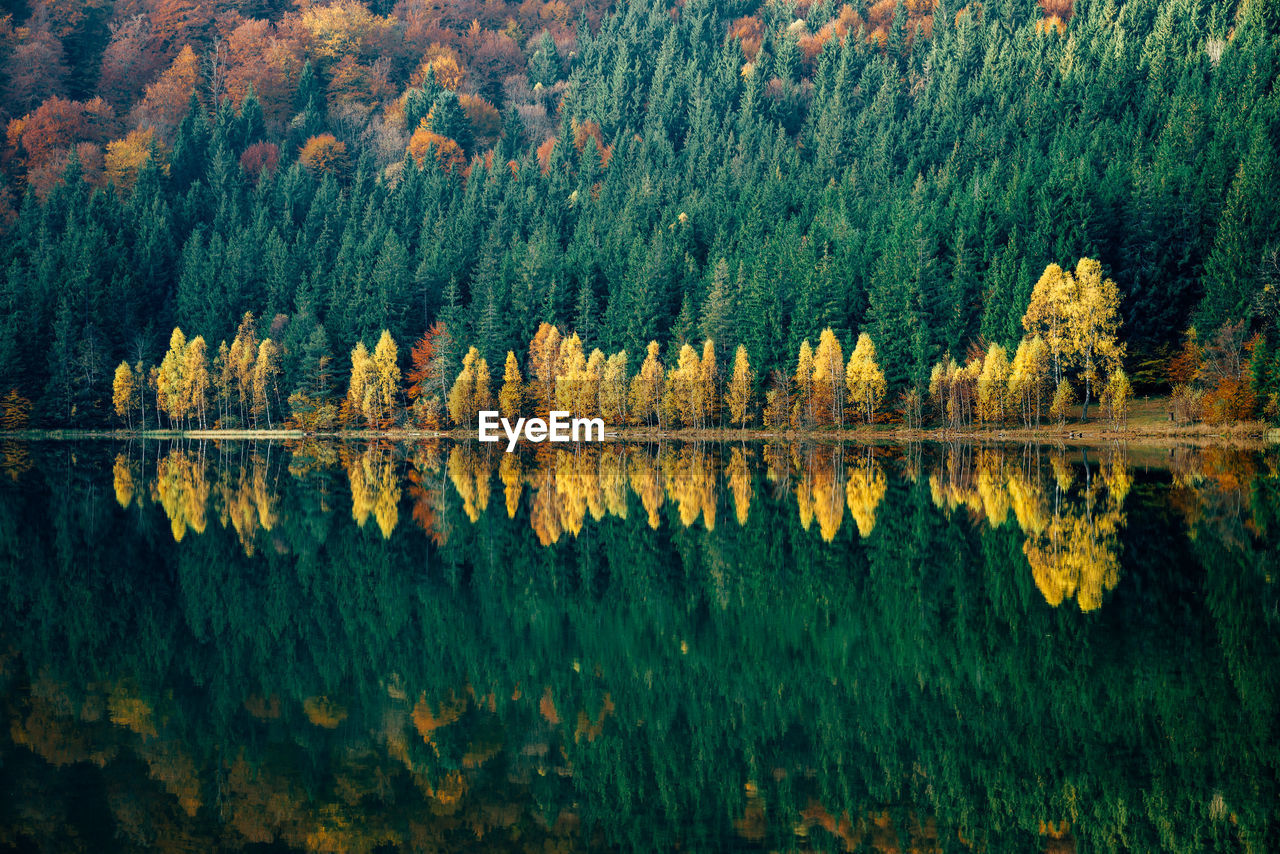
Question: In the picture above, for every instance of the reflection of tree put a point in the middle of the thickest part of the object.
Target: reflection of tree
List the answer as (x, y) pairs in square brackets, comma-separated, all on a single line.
[(427, 492), (470, 472), (247, 501), (1078, 553), (124, 477), (1071, 528), (864, 492), (690, 482), (181, 489), (375, 487), (738, 474)]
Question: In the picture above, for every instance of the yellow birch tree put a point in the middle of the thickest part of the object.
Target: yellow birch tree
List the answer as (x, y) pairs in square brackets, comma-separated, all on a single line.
[(993, 385), (124, 390), (646, 388), (828, 380), (864, 378), (1049, 314), (613, 389), (1093, 325), (363, 377), (802, 411), (741, 383), (511, 395), (385, 390)]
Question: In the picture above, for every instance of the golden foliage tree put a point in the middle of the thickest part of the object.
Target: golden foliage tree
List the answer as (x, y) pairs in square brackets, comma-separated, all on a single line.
[(993, 385), (266, 384), (382, 403), (1116, 396), (646, 389), (1029, 378), (15, 411), (125, 158), (470, 392), (1049, 314), (363, 377), (445, 152), (196, 383), (1064, 397), (241, 358), (124, 393), (682, 396), (325, 153), (828, 380), (741, 383), (511, 395), (169, 381), (864, 379), (709, 380), (802, 408), (570, 374), (544, 360), (1093, 324), (613, 389)]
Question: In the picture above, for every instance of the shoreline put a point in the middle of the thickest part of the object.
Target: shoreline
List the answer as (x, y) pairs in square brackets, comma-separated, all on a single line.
[(1242, 435)]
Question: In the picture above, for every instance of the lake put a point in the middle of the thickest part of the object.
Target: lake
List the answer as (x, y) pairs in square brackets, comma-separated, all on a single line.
[(377, 647)]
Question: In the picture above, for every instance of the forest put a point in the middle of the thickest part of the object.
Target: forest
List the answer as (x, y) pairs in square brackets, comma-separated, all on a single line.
[(710, 190)]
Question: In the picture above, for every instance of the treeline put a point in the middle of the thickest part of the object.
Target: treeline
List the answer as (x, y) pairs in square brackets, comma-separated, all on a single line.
[(749, 176), (1070, 346)]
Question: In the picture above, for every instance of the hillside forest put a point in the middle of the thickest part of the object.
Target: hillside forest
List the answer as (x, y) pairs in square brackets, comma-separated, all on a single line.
[(252, 213)]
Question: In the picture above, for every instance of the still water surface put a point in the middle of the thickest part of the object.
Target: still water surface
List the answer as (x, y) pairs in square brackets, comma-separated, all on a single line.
[(353, 647)]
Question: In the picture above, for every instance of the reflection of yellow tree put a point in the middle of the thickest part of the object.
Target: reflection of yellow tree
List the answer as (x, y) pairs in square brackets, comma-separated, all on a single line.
[(864, 491), (122, 475), (1072, 532), (820, 485), (544, 514), (1077, 554), (738, 474), (511, 473), (613, 482), (172, 766), (182, 490), (691, 483), (470, 472), (644, 483), (247, 501), (375, 488)]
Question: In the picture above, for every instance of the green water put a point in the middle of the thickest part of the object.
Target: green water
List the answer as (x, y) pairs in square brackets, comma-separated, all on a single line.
[(254, 647)]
